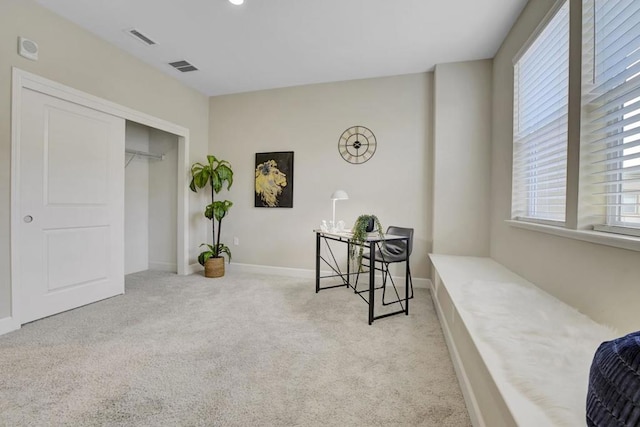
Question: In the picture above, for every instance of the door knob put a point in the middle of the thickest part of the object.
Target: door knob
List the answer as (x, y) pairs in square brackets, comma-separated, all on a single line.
[(28, 219)]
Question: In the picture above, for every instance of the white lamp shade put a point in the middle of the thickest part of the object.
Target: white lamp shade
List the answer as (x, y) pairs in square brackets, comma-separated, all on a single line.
[(236, 2), (339, 195)]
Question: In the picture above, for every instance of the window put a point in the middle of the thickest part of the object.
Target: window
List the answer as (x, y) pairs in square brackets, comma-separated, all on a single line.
[(541, 80), (611, 118), (574, 174)]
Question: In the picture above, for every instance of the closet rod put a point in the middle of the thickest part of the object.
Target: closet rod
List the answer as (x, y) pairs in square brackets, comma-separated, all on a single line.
[(144, 154)]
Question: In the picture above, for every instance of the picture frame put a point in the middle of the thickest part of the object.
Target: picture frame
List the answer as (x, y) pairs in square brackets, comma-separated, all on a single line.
[(273, 184)]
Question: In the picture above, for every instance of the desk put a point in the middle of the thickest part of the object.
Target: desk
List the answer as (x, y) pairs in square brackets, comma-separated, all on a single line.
[(372, 242)]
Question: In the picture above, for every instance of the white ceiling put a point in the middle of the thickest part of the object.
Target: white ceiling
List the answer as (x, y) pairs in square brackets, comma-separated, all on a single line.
[(266, 44)]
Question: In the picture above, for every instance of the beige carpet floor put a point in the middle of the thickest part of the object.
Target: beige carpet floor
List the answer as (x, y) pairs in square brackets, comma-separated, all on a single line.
[(244, 350)]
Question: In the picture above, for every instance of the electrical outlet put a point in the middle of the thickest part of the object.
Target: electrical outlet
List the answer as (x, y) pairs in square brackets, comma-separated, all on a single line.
[(236, 241)]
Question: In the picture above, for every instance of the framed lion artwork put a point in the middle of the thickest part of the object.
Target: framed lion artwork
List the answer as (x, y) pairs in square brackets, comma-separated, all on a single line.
[(274, 180)]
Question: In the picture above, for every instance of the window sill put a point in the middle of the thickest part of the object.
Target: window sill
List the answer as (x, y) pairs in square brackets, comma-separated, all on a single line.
[(609, 239)]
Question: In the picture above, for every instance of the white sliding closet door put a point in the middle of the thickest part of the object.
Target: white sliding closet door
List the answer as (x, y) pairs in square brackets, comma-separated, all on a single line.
[(71, 200)]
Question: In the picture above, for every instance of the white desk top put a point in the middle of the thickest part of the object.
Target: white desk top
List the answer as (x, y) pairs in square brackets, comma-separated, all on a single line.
[(372, 237)]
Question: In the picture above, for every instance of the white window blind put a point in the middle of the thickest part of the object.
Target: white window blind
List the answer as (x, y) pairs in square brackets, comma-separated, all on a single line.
[(541, 76), (611, 100)]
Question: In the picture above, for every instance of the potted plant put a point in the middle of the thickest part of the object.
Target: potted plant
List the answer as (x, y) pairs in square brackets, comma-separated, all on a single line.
[(212, 259), (361, 229), (214, 173)]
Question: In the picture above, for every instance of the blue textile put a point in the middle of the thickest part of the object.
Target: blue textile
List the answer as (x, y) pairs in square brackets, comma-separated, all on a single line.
[(613, 398)]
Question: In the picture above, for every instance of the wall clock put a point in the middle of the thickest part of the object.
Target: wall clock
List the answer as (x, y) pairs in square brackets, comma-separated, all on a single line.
[(357, 144)]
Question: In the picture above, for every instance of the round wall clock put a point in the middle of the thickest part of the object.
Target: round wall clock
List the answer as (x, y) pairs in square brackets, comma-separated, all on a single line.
[(357, 144)]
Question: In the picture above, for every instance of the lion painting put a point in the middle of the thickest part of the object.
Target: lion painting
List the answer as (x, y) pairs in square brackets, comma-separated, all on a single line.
[(269, 182)]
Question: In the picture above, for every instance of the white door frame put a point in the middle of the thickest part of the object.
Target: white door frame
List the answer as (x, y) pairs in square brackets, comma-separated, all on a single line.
[(25, 80)]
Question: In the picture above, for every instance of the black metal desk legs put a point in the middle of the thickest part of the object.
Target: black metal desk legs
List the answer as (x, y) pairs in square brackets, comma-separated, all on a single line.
[(372, 280), (317, 262), (347, 282), (372, 286), (407, 274)]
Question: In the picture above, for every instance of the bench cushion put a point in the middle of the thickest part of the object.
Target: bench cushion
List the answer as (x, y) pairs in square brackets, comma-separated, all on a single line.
[(536, 349), (613, 398), (545, 346)]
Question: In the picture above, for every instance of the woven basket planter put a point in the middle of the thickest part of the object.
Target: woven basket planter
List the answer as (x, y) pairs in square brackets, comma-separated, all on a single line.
[(214, 267)]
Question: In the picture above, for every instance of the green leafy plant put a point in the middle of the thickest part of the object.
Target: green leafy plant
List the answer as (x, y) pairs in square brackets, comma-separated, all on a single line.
[(216, 210), (214, 173), (360, 234)]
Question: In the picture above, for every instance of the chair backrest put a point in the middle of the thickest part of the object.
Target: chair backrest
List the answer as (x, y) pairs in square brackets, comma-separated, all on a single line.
[(398, 246)]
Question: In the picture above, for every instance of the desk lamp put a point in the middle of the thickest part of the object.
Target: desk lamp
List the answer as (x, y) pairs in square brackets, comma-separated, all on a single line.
[(337, 195)]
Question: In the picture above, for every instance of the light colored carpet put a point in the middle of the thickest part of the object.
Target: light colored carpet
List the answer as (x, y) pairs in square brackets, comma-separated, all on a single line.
[(244, 350)]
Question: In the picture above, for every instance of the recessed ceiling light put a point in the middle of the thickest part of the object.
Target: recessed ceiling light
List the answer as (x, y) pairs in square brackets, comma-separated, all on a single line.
[(236, 2)]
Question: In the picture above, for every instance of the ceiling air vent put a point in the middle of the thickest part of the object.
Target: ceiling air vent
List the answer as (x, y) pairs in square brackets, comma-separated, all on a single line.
[(140, 37), (183, 66)]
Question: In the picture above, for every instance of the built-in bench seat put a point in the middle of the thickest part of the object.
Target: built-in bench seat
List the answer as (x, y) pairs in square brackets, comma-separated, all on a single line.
[(522, 357)]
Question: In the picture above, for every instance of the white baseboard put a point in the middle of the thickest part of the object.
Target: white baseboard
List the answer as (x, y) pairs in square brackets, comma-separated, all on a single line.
[(272, 271), (163, 266), (463, 380), (306, 273), (418, 282), (8, 324), (194, 268)]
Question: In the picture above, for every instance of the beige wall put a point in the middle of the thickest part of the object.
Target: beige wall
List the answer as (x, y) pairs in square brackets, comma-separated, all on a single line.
[(308, 120), (71, 56), (163, 202), (462, 158), (598, 280), (136, 201)]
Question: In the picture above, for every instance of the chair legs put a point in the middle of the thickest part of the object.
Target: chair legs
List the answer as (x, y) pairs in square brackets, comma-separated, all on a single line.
[(386, 274), (355, 286)]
